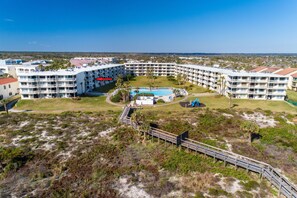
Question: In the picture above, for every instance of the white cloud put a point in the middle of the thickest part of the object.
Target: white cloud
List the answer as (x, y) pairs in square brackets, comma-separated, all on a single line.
[(9, 20), (32, 42)]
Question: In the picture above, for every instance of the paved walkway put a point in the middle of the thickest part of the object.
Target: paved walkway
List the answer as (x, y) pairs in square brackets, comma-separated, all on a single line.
[(203, 94)]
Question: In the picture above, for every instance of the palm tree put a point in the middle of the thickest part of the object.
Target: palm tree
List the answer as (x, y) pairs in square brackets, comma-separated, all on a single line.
[(176, 92), (119, 82), (181, 79), (221, 82), (128, 77), (4, 102), (150, 76), (230, 100), (137, 117), (184, 78), (125, 91), (251, 128)]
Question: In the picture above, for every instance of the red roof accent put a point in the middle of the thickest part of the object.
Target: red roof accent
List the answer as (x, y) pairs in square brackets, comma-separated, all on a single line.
[(257, 69), (272, 69), (286, 71), (4, 81), (294, 75)]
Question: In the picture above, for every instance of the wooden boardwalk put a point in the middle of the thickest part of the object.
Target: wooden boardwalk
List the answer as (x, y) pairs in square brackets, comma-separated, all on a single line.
[(265, 170)]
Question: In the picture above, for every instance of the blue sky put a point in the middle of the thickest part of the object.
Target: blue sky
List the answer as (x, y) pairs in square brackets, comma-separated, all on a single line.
[(210, 26)]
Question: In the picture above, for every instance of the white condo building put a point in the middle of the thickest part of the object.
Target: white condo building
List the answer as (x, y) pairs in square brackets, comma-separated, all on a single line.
[(158, 69), (237, 84), (65, 83)]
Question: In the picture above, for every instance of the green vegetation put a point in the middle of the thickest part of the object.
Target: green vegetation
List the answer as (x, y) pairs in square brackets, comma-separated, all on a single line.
[(183, 162), (284, 136), (12, 158), (225, 127), (161, 81), (57, 64), (292, 95), (251, 128), (221, 102), (160, 101), (67, 151)]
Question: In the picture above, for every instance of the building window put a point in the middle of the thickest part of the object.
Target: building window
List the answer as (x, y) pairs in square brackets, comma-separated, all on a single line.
[(9, 86), (1, 97), (4, 87), (10, 94)]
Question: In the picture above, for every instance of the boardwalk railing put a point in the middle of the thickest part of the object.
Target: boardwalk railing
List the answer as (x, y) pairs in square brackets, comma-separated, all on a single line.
[(265, 170)]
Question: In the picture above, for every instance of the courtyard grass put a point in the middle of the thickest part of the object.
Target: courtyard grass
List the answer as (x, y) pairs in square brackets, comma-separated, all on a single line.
[(292, 95), (221, 102), (162, 81), (58, 105)]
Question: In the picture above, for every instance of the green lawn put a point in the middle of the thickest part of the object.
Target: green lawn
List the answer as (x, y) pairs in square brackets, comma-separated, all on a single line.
[(221, 102), (66, 104), (99, 104), (292, 95), (162, 81)]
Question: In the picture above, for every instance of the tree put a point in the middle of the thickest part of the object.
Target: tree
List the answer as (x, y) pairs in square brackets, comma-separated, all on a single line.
[(251, 128), (184, 78), (139, 119), (177, 92), (68, 64), (119, 82), (150, 76), (125, 92), (230, 96), (221, 83), (4, 102), (40, 67), (128, 77), (181, 79)]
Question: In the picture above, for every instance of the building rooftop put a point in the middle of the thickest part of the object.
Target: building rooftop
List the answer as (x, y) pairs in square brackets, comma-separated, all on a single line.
[(287, 71), (232, 72), (259, 69), (4, 81), (271, 70), (71, 71)]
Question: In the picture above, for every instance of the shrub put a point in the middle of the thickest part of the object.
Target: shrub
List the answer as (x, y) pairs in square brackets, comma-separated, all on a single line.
[(14, 157), (250, 185), (116, 98), (160, 101), (218, 192)]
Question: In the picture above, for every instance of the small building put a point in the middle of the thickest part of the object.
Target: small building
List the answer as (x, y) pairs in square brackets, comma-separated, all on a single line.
[(8, 87), (145, 100)]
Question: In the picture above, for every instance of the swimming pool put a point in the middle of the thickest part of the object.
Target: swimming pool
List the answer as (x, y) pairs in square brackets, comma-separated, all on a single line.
[(157, 92)]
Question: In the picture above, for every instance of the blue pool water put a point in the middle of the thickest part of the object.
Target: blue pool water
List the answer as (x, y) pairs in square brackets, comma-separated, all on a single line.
[(156, 92)]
